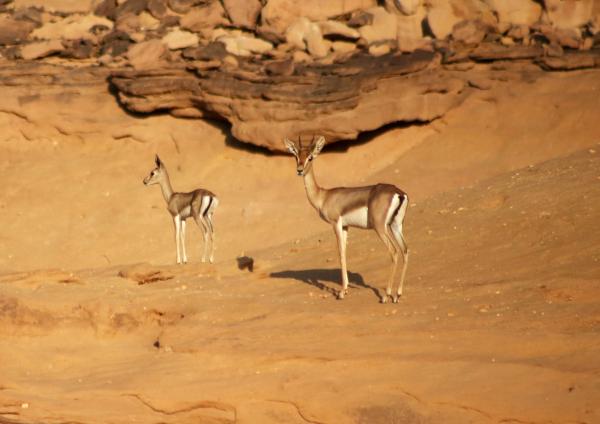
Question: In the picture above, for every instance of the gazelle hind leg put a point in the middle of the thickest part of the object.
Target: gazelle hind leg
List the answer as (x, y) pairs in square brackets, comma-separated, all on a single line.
[(211, 231), (384, 231), (396, 226), (387, 240), (199, 208), (341, 235), (204, 229), (211, 237), (404, 267)]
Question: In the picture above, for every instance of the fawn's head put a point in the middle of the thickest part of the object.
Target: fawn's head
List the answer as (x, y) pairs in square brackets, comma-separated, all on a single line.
[(157, 174), (304, 152)]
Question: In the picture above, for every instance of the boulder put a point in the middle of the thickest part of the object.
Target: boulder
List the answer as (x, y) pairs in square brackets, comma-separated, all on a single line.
[(343, 47), (147, 22), (409, 31), (58, 6), (569, 14), (157, 8), (383, 28), (516, 12), (146, 55), (469, 33), (244, 45), (184, 6), (379, 49), (133, 7), (204, 19), (338, 29), (107, 9), (73, 27), (304, 34), (405, 7), (278, 15), (115, 43), (441, 18), (41, 49), (565, 37), (316, 45), (280, 67), (243, 13), (442, 15), (78, 49), (13, 31), (178, 39)]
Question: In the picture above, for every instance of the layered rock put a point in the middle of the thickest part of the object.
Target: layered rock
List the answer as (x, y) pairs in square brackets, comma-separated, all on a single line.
[(282, 67), (339, 101)]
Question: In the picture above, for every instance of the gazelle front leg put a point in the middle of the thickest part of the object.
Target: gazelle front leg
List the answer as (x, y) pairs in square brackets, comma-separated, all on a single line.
[(202, 225), (177, 222), (211, 234), (341, 235), (183, 241)]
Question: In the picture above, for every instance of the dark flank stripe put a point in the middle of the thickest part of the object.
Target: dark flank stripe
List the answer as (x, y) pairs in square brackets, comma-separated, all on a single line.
[(402, 200), (210, 200)]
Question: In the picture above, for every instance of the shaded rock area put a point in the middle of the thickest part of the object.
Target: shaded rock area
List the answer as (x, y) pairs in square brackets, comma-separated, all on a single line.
[(338, 100), (280, 67)]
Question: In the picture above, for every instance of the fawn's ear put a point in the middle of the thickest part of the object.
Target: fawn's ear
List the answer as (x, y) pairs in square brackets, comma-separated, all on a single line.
[(290, 146), (318, 146), (157, 161)]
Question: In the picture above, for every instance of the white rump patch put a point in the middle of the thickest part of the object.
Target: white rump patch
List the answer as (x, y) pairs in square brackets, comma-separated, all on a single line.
[(393, 207), (399, 218), (204, 204), (356, 218)]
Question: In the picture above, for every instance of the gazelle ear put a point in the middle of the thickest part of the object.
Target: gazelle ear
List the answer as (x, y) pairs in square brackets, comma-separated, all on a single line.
[(157, 161), (318, 146), (289, 144)]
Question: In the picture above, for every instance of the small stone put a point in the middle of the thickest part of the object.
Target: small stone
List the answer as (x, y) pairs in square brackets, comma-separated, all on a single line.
[(379, 50)]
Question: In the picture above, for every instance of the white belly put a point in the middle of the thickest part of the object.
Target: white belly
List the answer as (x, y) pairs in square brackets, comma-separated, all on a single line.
[(356, 218)]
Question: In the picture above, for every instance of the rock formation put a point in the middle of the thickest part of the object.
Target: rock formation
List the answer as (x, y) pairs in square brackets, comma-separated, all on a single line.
[(284, 67)]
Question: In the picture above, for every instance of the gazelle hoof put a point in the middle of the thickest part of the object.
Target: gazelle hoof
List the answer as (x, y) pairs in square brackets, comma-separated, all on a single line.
[(383, 299), (341, 295), (395, 299)]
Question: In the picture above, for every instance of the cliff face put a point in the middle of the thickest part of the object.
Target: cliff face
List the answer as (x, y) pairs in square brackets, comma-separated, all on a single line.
[(282, 68)]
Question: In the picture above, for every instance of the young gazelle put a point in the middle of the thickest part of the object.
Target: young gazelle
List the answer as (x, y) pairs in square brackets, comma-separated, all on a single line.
[(380, 207), (199, 204)]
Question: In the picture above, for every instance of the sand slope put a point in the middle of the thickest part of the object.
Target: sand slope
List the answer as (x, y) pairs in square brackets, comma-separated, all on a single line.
[(499, 323)]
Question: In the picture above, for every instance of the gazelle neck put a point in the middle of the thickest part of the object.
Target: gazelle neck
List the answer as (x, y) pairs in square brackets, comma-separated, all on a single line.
[(165, 187), (313, 191)]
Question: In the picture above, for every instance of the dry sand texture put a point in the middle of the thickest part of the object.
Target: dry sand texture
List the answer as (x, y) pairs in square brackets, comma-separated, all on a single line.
[(501, 315)]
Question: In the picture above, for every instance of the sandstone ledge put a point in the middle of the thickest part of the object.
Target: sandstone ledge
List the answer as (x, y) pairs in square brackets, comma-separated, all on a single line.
[(338, 100)]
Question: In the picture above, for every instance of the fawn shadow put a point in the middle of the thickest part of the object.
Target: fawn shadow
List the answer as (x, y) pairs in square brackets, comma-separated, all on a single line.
[(318, 277)]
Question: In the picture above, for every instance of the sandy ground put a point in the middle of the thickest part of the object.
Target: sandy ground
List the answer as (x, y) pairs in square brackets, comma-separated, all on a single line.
[(500, 321)]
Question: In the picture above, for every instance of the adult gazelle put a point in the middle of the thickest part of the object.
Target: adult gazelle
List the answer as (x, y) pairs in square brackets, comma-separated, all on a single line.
[(380, 207)]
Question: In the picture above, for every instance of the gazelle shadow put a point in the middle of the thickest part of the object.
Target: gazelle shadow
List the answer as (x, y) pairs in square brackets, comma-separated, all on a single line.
[(318, 277)]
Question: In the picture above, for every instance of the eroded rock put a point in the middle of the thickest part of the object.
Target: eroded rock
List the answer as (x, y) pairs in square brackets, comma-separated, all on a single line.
[(243, 13), (13, 31), (339, 101), (278, 15), (41, 49)]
